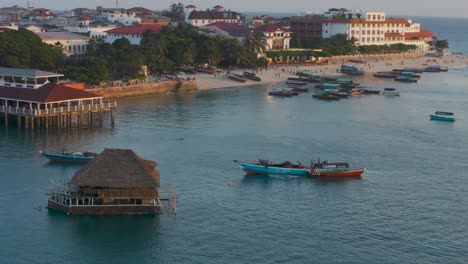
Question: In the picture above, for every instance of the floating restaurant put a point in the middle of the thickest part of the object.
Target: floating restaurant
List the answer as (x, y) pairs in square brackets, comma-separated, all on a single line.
[(33, 100), (117, 181)]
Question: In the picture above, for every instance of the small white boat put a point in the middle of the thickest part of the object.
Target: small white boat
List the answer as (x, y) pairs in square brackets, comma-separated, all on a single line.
[(390, 91), (443, 116)]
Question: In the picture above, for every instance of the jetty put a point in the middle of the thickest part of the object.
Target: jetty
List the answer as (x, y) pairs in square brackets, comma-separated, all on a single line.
[(117, 181), (29, 98)]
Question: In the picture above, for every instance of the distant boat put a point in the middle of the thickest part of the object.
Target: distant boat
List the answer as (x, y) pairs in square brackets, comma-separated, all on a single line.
[(351, 70), (251, 76), (294, 83), (409, 69), (391, 74), (327, 96), (391, 91), (70, 157), (403, 78), (265, 167), (443, 116), (435, 68), (328, 85), (282, 92), (369, 90), (355, 92), (335, 169), (237, 77)]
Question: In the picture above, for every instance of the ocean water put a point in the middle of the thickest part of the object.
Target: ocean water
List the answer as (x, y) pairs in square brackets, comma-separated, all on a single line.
[(409, 207)]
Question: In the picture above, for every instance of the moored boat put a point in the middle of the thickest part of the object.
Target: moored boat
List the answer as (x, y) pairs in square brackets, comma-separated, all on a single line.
[(409, 69), (286, 92), (251, 76), (443, 116), (351, 70), (403, 78), (355, 92), (391, 91), (335, 170), (387, 74), (236, 77), (327, 96), (70, 157), (435, 68), (265, 167)]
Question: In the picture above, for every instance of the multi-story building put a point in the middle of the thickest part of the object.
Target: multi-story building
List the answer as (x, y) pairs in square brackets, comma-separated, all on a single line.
[(119, 15), (277, 37), (133, 33), (71, 44), (367, 28), (217, 14)]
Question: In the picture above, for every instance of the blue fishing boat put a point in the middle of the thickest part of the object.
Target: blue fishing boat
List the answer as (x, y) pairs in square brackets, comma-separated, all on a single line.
[(265, 167), (351, 70), (70, 157), (443, 116)]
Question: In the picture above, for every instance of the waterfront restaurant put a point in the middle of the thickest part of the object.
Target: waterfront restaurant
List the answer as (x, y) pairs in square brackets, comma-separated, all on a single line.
[(36, 101), (117, 181)]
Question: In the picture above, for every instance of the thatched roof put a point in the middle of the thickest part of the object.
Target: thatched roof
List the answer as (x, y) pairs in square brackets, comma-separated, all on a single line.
[(118, 168)]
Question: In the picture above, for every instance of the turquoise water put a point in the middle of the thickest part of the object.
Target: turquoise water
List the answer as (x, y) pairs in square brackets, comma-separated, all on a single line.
[(409, 207)]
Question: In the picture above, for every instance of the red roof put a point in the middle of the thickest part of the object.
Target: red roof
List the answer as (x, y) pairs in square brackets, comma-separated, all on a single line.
[(393, 35), (386, 21), (218, 7), (190, 6), (84, 18), (423, 33), (138, 30), (272, 28), (48, 93), (233, 29), (140, 10)]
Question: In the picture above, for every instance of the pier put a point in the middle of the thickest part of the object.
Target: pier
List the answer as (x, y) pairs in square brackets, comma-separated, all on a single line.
[(29, 99)]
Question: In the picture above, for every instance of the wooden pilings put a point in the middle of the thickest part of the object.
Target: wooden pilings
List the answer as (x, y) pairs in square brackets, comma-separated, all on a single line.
[(61, 120)]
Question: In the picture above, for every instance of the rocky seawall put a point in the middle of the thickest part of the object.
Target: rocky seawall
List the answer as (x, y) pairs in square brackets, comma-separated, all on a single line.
[(169, 87)]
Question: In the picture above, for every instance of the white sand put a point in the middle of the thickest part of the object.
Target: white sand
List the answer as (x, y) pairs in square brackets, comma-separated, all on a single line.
[(372, 65)]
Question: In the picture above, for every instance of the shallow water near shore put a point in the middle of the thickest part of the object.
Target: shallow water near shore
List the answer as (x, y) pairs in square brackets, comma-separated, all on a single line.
[(409, 207)]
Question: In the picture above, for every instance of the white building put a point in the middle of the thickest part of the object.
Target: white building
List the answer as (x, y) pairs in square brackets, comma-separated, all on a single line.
[(374, 28), (119, 15), (133, 33), (72, 44), (82, 26), (277, 37), (217, 14)]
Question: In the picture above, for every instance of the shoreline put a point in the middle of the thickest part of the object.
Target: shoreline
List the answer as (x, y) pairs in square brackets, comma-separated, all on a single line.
[(279, 74)]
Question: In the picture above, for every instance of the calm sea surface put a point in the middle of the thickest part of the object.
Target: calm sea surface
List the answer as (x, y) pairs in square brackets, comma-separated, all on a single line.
[(411, 206)]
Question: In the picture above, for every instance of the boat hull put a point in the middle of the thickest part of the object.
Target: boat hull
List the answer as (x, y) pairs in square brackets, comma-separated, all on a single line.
[(338, 173), (66, 158), (260, 169), (442, 118)]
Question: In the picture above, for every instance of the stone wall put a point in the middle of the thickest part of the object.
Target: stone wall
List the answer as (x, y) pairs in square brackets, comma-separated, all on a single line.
[(169, 87)]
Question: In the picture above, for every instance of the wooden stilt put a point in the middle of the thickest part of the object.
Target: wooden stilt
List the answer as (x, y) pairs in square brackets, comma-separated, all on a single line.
[(32, 122), (112, 118), (19, 121), (47, 122), (6, 119)]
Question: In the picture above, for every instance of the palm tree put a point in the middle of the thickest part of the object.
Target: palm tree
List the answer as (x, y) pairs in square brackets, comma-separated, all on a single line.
[(257, 43)]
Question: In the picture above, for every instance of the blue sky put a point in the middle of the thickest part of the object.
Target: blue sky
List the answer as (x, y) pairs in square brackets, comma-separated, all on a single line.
[(448, 8)]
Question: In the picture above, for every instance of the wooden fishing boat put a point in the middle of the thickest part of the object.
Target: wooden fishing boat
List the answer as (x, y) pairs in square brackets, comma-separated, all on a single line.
[(355, 92), (236, 77), (265, 167), (391, 91), (435, 68), (335, 170), (70, 157), (282, 92), (443, 116), (408, 79), (351, 70), (327, 96), (251, 76), (387, 74)]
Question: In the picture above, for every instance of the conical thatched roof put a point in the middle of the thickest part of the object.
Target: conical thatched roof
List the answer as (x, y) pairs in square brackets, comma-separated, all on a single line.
[(118, 168)]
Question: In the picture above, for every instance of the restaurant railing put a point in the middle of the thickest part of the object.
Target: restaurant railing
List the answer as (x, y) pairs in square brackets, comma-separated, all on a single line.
[(57, 110)]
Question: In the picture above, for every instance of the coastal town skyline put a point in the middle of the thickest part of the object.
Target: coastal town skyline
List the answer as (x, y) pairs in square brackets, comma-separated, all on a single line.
[(438, 9)]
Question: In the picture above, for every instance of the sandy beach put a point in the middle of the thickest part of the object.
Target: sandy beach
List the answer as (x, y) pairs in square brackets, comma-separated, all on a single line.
[(277, 74)]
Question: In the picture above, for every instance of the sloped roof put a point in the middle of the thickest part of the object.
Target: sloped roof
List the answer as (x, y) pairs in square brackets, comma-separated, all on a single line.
[(393, 35), (232, 29), (47, 93), (60, 35), (271, 28), (118, 168), (190, 6), (27, 73), (138, 30), (213, 14), (423, 33), (140, 10)]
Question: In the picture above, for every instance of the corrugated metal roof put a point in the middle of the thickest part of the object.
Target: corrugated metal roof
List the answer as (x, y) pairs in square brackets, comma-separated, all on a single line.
[(60, 35), (27, 73)]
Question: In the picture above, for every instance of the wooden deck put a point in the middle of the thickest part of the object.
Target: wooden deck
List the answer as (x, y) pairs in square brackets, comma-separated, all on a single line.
[(68, 116)]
